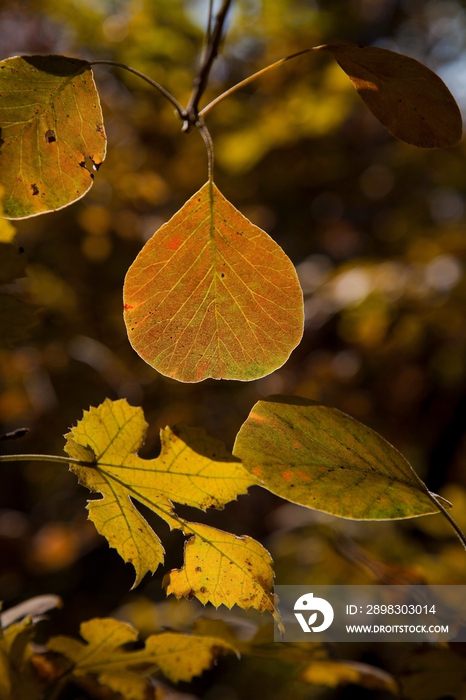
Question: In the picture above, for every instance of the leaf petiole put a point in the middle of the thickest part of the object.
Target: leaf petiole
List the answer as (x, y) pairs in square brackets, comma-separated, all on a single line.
[(178, 108), (444, 511), (45, 458), (248, 80)]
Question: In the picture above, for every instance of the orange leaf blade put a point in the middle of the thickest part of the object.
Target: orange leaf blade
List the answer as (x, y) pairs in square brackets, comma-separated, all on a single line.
[(212, 295)]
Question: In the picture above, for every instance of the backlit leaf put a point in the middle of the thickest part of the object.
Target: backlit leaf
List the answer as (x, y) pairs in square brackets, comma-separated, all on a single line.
[(192, 469), (221, 568), (17, 679), (51, 129), (411, 101), (178, 656), (322, 458), (212, 295), (7, 231), (334, 673)]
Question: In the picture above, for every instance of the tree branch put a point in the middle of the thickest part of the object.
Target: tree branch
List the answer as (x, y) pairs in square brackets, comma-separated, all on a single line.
[(202, 78)]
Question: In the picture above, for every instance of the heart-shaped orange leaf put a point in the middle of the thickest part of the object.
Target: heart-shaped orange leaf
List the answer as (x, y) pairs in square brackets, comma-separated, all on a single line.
[(212, 295)]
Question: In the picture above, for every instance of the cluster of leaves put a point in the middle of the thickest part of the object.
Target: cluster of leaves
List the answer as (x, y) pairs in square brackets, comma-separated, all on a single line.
[(304, 452), (210, 295), (109, 660), (109, 656)]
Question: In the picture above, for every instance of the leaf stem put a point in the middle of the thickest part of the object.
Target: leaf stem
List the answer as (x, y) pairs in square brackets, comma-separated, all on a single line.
[(178, 108), (252, 77), (45, 458), (444, 511), (209, 144)]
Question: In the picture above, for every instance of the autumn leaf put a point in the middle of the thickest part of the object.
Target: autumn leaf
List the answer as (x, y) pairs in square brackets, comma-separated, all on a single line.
[(322, 458), (222, 568), (212, 295), (192, 469), (179, 657), (7, 231), (408, 99), (334, 673), (17, 678), (51, 130), (32, 607)]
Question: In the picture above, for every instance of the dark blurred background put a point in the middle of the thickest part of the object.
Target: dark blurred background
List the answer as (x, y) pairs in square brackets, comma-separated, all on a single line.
[(375, 227)]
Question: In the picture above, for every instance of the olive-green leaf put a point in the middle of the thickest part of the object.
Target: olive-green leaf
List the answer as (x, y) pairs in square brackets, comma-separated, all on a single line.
[(51, 130), (408, 99), (322, 458)]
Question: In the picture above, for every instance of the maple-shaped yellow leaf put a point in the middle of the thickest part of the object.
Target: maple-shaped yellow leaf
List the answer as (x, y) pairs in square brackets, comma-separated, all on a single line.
[(179, 657), (192, 469)]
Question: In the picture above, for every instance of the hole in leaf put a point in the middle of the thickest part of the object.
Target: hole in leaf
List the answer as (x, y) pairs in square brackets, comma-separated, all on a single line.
[(34, 189), (88, 164), (50, 136)]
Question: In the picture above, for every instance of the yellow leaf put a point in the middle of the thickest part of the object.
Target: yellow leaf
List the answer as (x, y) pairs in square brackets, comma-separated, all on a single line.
[(51, 125), (192, 469), (17, 680), (179, 657), (212, 295), (411, 101), (7, 231), (224, 569), (334, 673)]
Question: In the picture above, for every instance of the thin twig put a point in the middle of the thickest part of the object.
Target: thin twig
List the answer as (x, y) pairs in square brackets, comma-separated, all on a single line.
[(15, 434), (246, 81), (178, 108), (202, 78), (447, 515)]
